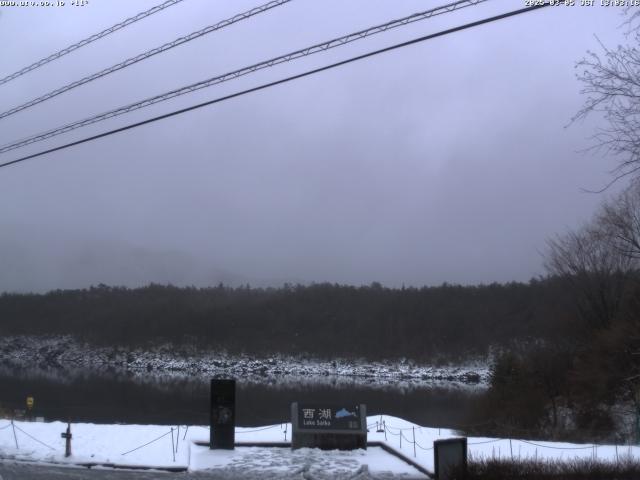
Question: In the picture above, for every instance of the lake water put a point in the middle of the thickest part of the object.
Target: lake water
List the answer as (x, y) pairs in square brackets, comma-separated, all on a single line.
[(111, 396)]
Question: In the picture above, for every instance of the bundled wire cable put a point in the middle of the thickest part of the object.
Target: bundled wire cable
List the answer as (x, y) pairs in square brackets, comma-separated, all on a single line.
[(320, 47), (143, 56), (88, 40)]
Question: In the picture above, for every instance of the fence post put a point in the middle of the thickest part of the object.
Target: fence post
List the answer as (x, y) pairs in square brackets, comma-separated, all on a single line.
[(14, 434), (177, 438), (400, 439), (511, 448), (414, 440), (173, 451), (385, 430)]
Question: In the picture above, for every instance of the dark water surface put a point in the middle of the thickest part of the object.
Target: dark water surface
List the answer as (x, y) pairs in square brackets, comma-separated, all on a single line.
[(124, 397)]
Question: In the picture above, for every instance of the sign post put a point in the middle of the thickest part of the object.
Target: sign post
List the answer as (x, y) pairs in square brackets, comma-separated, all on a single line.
[(30, 403), (223, 414), (67, 436), (329, 427)]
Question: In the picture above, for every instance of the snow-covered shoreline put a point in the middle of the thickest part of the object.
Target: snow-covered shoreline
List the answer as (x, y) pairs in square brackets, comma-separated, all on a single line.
[(67, 352)]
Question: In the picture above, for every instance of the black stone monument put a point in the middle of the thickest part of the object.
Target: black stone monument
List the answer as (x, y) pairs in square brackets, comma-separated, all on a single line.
[(223, 414), (450, 454)]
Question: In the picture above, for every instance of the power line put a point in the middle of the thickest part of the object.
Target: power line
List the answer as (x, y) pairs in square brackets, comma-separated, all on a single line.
[(88, 40), (321, 47), (281, 81), (143, 56)]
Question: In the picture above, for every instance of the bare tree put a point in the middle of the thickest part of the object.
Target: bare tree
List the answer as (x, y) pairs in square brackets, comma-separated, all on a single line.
[(611, 83), (619, 222), (601, 260)]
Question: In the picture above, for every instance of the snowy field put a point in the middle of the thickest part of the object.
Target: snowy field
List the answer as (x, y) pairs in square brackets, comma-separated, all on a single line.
[(161, 446)]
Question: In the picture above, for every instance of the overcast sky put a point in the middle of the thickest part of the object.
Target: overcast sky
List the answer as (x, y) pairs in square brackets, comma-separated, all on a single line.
[(446, 161)]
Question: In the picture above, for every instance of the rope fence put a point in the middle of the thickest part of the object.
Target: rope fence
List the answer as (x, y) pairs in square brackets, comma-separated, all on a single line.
[(170, 432), (381, 427), (426, 449), (487, 441), (258, 429), (399, 432), (32, 437), (558, 448)]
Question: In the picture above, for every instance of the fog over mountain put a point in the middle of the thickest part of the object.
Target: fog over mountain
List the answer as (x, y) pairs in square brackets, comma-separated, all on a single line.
[(448, 161)]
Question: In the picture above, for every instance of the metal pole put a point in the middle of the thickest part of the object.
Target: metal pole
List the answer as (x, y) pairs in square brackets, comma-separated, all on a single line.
[(172, 446), (14, 434), (414, 440)]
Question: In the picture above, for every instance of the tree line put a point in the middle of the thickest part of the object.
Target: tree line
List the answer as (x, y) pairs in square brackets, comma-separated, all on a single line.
[(321, 320)]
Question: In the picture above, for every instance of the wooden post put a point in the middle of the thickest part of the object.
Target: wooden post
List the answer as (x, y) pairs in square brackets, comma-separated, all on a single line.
[(67, 444)]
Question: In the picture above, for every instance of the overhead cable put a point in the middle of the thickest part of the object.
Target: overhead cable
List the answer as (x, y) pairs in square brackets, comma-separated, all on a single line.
[(88, 40), (320, 47), (278, 82), (143, 56)]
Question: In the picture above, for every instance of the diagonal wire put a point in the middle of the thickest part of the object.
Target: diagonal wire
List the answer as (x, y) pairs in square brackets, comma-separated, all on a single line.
[(143, 56), (256, 429), (274, 83), (555, 448), (336, 42), (88, 40), (486, 441), (33, 438), (149, 443)]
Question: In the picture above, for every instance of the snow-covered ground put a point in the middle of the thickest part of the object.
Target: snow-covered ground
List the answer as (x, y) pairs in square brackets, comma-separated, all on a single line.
[(156, 446), (67, 352)]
